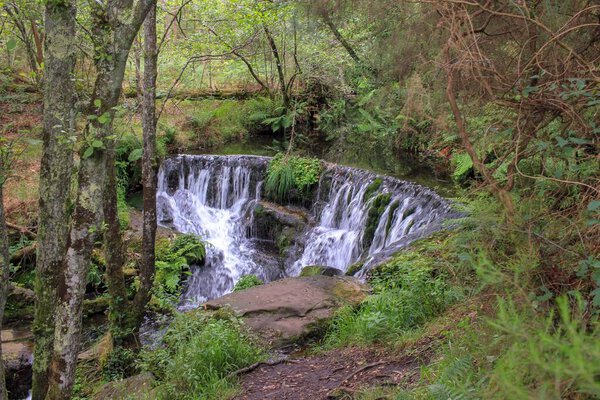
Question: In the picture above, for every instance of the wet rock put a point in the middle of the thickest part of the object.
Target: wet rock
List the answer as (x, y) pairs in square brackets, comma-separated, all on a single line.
[(17, 355), (290, 310), (281, 225)]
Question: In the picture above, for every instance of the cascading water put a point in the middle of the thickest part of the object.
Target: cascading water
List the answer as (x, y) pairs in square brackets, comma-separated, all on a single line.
[(360, 216)]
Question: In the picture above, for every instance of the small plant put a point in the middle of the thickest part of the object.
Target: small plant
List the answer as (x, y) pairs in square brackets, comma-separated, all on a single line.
[(173, 263), (287, 173), (246, 282)]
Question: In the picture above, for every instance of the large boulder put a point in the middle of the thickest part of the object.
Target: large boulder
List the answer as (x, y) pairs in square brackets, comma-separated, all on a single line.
[(292, 309)]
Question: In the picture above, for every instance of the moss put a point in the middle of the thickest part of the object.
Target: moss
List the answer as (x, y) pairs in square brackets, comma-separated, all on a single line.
[(378, 206), (354, 268), (372, 188), (311, 270), (393, 209)]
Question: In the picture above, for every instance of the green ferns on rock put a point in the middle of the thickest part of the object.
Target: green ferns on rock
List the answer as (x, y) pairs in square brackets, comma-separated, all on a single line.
[(173, 261), (291, 176)]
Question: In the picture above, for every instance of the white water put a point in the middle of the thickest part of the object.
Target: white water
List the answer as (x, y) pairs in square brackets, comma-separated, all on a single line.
[(214, 197)]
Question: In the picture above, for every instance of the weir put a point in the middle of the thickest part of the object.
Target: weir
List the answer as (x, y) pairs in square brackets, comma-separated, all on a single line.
[(358, 218)]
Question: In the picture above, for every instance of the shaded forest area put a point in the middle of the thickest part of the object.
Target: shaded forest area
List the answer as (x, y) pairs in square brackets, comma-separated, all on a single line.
[(495, 104)]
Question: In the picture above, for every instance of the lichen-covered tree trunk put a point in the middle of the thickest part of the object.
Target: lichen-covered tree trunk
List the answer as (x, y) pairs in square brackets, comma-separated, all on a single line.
[(87, 219), (55, 179), (149, 178), (4, 275), (114, 28)]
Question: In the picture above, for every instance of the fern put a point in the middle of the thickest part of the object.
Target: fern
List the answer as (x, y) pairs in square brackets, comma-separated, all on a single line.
[(463, 164)]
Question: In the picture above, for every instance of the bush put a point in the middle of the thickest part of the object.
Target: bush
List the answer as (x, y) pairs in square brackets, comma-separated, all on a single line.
[(197, 354), (287, 174), (247, 281)]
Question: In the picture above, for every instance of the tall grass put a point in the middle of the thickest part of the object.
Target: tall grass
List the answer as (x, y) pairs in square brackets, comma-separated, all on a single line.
[(197, 354)]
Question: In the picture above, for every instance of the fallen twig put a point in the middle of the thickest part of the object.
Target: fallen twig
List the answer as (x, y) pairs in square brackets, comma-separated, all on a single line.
[(254, 366), (21, 229)]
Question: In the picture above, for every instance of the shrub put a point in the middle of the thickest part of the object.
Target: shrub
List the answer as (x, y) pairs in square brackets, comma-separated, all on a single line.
[(196, 356), (247, 281), (287, 173)]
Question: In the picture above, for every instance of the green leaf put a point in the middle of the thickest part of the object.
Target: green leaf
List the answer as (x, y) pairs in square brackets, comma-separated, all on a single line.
[(11, 44), (98, 103), (594, 205), (88, 152), (97, 144), (135, 155), (104, 118)]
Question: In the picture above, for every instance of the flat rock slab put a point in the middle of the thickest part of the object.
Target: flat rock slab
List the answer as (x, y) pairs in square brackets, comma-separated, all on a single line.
[(291, 309)]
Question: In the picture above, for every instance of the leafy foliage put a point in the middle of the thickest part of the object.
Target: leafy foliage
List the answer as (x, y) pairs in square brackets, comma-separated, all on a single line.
[(173, 262), (197, 354), (247, 281), (287, 173)]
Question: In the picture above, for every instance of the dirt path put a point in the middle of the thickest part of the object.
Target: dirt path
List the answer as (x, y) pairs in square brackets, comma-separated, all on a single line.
[(333, 374)]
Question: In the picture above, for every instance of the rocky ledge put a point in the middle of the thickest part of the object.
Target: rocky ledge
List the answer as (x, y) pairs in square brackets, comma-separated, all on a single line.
[(292, 309)]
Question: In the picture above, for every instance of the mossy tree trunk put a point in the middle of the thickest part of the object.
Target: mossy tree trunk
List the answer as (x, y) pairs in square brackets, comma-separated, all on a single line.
[(279, 64), (4, 275), (149, 165), (56, 172), (114, 27)]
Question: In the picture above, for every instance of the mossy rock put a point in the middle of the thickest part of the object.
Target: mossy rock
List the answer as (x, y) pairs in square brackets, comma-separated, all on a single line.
[(378, 206), (314, 270), (372, 188), (354, 268)]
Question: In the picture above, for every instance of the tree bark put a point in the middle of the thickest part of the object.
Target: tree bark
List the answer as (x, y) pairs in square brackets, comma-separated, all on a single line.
[(149, 179), (114, 254), (4, 276), (56, 173), (115, 28), (280, 74)]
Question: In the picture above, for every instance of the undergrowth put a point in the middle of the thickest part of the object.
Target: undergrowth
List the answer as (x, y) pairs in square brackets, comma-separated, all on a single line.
[(197, 354)]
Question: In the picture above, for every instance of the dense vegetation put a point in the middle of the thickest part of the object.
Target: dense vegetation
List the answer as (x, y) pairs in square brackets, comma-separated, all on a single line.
[(498, 99)]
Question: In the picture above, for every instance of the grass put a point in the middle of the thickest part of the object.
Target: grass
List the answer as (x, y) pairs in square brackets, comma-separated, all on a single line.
[(197, 355)]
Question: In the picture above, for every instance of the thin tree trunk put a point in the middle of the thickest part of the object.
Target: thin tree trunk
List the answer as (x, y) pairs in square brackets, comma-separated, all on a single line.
[(500, 192), (149, 179), (341, 39), (114, 254), (56, 173), (4, 276), (280, 74)]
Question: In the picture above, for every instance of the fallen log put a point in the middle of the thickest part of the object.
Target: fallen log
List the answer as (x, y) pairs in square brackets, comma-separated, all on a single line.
[(27, 252)]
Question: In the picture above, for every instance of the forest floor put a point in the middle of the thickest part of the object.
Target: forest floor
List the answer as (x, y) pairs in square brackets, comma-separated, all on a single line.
[(338, 373)]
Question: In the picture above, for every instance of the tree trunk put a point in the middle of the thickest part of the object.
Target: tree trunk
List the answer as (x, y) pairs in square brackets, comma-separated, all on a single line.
[(340, 38), (114, 254), (280, 74), (115, 37), (56, 173), (149, 179), (4, 276)]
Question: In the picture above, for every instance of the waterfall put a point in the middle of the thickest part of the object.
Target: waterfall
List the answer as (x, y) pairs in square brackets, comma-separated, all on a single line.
[(360, 216)]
